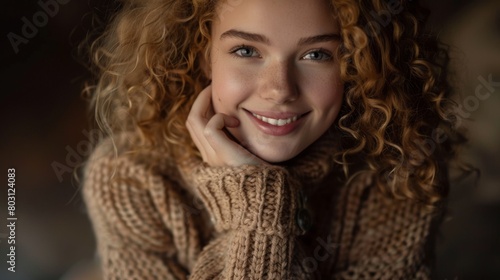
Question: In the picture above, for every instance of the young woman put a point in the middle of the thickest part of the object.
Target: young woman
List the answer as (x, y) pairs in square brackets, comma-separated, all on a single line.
[(257, 139)]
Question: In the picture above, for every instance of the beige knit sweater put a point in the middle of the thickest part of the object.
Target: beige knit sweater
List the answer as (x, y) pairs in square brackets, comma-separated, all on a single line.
[(157, 219)]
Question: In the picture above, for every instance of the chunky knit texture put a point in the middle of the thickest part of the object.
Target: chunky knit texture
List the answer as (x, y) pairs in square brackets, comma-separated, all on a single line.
[(156, 218)]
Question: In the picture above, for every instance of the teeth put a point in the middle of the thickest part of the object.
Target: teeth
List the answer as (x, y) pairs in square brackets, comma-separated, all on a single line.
[(277, 122)]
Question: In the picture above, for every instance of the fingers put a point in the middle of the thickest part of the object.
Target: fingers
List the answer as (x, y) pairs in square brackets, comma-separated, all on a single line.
[(214, 130), (196, 139), (200, 114), (202, 106), (219, 121), (202, 119), (226, 151), (207, 130)]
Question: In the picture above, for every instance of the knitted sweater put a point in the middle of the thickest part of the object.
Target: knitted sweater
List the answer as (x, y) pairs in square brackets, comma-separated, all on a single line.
[(156, 218)]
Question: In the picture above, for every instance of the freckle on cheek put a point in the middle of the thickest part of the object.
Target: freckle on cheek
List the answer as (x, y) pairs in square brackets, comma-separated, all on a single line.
[(218, 100), (217, 103)]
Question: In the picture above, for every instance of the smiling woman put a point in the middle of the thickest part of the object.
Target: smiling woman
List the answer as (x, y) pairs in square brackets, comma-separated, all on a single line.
[(269, 140), (283, 85)]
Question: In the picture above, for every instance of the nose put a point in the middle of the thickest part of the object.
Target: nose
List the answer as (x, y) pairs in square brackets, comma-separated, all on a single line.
[(279, 83)]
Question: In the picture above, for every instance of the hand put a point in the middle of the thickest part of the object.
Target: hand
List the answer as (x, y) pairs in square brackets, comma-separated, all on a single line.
[(207, 131)]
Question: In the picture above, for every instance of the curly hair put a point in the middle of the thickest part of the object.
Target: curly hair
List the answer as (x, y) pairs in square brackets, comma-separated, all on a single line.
[(396, 117), (148, 69)]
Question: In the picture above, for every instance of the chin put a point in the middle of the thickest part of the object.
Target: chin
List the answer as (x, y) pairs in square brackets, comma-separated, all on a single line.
[(270, 148), (274, 154)]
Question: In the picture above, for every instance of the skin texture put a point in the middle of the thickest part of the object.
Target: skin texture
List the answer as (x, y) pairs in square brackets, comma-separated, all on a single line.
[(274, 58)]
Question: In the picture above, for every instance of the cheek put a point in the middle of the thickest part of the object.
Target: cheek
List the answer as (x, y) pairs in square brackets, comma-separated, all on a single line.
[(230, 87), (328, 94), (332, 97)]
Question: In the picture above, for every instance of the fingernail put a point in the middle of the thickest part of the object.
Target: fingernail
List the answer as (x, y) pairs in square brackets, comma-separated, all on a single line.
[(235, 122)]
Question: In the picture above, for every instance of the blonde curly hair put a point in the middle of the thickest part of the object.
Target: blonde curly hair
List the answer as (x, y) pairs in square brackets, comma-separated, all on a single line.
[(396, 117)]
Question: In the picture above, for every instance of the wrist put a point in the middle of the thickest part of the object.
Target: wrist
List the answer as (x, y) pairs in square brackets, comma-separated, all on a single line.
[(249, 197)]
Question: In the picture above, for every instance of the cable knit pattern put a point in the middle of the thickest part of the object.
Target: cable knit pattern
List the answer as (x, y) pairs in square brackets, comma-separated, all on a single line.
[(248, 198), (157, 219)]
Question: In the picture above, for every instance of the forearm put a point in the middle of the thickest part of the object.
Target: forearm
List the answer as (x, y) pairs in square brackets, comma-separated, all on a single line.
[(130, 263), (254, 209)]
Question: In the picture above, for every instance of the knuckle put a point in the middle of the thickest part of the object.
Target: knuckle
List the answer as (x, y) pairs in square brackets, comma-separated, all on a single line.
[(208, 133)]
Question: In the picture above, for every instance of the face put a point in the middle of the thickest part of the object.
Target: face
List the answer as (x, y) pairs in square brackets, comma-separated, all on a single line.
[(273, 67)]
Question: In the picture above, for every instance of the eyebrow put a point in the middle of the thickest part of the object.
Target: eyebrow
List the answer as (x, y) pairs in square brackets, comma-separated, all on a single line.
[(245, 35), (263, 39), (319, 39)]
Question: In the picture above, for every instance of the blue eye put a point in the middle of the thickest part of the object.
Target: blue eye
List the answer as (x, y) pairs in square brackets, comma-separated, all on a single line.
[(245, 51), (317, 55)]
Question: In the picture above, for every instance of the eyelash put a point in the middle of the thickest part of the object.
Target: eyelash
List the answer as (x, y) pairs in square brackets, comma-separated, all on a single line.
[(323, 52), (240, 47), (252, 49)]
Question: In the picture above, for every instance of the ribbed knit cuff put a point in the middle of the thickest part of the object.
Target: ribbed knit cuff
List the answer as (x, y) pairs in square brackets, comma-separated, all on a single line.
[(248, 197)]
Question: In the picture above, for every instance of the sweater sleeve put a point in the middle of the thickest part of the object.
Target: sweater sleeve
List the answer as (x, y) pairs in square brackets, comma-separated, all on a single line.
[(254, 208), (143, 230)]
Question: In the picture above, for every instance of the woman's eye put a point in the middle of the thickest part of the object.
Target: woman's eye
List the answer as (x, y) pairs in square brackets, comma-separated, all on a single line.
[(245, 51), (317, 55)]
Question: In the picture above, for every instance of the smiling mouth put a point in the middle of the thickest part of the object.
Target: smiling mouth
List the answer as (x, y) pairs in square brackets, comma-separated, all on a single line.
[(278, 122)]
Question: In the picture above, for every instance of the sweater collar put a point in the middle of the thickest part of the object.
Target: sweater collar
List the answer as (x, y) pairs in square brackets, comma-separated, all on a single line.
[(317, 160)]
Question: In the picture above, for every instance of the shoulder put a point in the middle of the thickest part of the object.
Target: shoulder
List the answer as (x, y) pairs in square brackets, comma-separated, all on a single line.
[(382, 234), (373, 207), (132, 195), (125, 155), (374, 218)]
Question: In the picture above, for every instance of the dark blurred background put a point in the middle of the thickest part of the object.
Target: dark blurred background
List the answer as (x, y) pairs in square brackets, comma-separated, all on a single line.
[(45, 133)]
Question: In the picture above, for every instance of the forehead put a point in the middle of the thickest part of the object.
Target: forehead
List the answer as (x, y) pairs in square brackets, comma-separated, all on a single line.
[(276, 16)]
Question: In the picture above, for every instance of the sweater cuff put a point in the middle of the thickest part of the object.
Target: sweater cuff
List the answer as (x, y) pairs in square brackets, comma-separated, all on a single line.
[(249, 197)]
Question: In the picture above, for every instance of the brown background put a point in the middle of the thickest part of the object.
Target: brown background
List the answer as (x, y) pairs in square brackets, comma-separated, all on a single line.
[(44, 119)]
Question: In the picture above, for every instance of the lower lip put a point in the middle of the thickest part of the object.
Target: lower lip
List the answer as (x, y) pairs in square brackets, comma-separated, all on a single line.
[(274, 129)]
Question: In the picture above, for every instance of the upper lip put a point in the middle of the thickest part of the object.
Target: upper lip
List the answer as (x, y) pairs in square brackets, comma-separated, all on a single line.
[(276, 115)]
